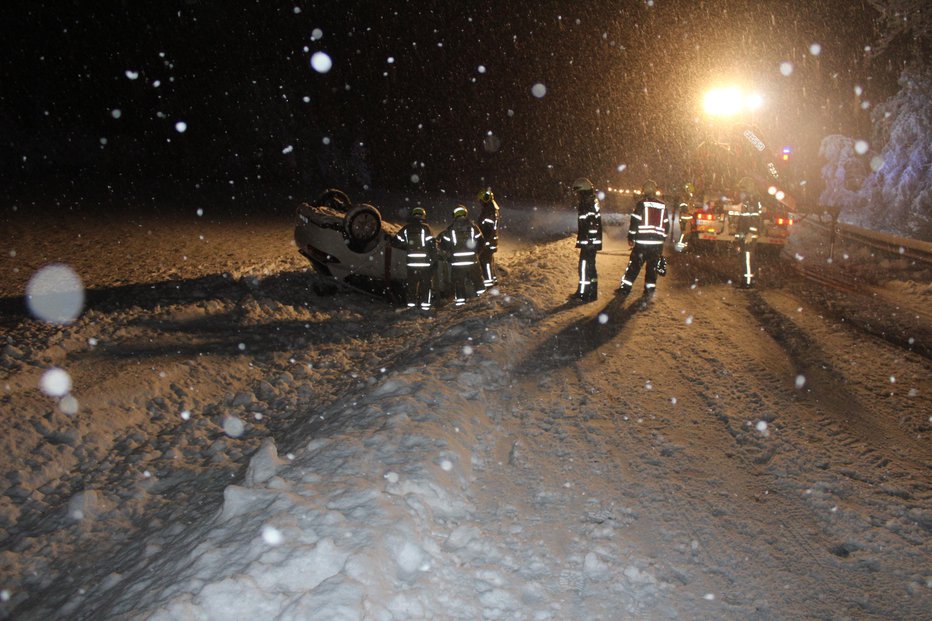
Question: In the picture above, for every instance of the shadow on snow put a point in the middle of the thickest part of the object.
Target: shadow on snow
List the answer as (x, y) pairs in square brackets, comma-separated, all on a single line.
[(583, 336)]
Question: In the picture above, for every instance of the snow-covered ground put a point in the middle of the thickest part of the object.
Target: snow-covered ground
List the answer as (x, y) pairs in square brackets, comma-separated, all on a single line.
[(239, 442)]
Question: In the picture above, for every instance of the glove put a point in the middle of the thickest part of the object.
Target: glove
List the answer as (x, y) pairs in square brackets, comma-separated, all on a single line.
[(661, 267)]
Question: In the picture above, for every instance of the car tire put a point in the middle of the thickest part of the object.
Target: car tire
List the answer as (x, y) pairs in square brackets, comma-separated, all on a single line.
[(361, 227)]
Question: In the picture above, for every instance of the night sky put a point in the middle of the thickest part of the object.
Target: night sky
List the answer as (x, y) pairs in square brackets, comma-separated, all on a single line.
[(422, 95)]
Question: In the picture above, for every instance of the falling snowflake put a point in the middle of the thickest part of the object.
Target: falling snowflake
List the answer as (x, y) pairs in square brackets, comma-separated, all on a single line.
[(815, 49), (181, 127), (786, 68), (321, 62), (539, 90), (491, 143), (233, 426), (68, 405), (272, 535), (55, 382), (800, 381), (55, 294), (860, 147)]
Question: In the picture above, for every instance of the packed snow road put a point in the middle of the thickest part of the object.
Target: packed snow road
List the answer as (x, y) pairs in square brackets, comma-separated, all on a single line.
[(714, 454)]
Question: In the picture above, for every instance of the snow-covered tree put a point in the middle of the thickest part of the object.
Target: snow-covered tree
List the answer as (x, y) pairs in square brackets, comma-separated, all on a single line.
[(898, 193), (842, 174)]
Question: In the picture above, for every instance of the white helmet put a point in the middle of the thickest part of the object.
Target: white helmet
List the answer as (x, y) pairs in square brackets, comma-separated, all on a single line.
[(582, 185)]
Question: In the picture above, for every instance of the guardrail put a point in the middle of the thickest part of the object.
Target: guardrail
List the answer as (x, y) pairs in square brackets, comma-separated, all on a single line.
[(914, 249)]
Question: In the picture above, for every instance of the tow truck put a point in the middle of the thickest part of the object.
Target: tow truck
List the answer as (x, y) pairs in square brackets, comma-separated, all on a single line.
[(711, 219)]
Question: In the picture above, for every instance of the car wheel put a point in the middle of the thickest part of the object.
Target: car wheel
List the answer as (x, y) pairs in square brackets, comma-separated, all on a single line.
[(361, 227)]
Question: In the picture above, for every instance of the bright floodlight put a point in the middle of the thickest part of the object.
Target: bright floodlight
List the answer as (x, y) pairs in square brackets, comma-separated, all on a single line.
[(730, 101), (722, 101)]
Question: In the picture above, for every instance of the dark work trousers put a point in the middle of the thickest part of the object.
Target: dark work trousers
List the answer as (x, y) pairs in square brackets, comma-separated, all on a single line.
[(646, 255), (588, 276), (487, 260), (466, 279), (748, 253), (418, 287)]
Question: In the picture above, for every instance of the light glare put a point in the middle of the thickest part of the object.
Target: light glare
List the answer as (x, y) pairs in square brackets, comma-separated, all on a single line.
[(731, 100)]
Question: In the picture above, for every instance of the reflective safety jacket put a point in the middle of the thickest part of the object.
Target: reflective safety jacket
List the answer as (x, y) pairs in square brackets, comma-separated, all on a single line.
[(589, 231), (649, 221), (416, 239), (461, 242), (488, 224), (749, 217)]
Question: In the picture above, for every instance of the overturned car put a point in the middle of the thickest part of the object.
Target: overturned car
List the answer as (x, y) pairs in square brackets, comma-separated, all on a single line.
[(350, 243)]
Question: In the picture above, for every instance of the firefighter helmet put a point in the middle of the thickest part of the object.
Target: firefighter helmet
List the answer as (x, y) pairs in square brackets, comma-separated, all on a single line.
[(582, 185), (649, 188), (484, 196), (418, 213), (460, 211)]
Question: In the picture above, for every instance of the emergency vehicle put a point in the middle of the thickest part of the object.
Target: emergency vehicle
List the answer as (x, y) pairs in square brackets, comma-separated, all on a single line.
[(719, 170)]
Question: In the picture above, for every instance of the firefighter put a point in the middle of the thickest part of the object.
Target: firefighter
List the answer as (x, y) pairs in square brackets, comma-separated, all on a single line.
[(588, 239), (686, 218), (416, 239), (748, 231), (686, 224), (488, 224), (646, 234), (461, 243)]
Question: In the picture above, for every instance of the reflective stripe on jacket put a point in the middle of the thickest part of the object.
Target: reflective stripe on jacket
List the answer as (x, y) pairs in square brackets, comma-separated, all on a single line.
[(416, 239), (649, 222), (589, 225), (461, 242)]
